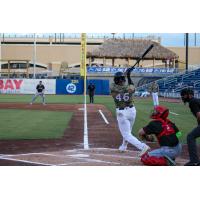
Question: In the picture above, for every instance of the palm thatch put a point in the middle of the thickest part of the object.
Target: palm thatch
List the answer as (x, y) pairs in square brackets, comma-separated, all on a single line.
[(118, 48)]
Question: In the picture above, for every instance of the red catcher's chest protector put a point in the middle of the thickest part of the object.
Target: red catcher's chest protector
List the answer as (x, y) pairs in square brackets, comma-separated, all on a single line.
[(167, 127)]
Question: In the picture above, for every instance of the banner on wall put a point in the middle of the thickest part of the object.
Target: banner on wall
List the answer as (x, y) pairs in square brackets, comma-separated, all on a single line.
[(67, 86), (136, 70), (26, 86), (83, 55)]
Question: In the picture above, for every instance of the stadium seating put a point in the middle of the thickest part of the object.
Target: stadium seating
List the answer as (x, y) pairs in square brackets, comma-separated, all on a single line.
[(180, 81)]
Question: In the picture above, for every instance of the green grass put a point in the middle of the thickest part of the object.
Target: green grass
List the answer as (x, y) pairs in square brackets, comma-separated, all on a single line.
[(185, 120), (32, 124), (49, 99)]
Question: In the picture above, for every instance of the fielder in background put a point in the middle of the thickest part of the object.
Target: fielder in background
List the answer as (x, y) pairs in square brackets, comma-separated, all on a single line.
[(187, 96), (154, 90), (91, 91), (39, 92), (167, 135), (122, 94)]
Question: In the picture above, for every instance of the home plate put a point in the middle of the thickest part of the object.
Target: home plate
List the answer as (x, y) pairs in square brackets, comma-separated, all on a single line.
[(81, 109)]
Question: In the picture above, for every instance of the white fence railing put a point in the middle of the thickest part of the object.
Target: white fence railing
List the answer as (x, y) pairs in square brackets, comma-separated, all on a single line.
[(175, 95), (173, 76)]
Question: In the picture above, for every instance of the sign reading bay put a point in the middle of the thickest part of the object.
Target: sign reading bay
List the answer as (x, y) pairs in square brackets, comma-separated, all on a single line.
[(71, 88)]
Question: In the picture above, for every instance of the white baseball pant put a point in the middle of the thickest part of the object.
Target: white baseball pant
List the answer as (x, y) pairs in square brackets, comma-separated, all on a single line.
[(126, 119), (155, 98)]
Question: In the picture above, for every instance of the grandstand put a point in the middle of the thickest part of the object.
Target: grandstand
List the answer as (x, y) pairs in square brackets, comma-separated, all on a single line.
[(172, 85)]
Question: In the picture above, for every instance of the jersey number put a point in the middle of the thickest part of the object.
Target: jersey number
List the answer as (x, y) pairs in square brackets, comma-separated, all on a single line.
[(124, 97)]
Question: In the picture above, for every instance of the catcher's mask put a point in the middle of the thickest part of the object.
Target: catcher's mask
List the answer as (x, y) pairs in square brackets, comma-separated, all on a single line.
[(160, 112), (119, 78), (185, 93)]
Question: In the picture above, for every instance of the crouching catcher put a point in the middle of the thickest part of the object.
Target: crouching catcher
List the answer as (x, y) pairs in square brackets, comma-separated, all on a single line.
[(167, 135)]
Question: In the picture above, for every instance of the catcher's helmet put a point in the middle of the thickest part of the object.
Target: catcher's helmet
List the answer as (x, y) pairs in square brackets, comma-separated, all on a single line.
[(119, 78), (160, 112), (185, 94)]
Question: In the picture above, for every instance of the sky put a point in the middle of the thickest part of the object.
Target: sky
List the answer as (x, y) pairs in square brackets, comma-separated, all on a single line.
[(167, 39)]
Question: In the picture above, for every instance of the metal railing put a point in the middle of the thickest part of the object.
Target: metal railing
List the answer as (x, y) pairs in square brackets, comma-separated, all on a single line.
[(171, 76), (170, 81), (166, 39), (192, 73), (175, 95)]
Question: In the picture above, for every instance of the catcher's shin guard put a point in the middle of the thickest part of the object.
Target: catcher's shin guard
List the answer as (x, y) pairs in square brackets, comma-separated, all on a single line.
[(153, 160)]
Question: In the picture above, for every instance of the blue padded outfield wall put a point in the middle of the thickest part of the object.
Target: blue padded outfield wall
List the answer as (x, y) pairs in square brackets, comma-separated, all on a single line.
[(75, 87)]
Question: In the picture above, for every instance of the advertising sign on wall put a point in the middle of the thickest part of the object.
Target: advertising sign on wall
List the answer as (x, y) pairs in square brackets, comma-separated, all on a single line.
[(136, 70), (66, 86), (26, 86)]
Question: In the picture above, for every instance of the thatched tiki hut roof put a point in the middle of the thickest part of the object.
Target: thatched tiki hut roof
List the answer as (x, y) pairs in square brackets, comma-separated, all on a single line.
[(133, 49)]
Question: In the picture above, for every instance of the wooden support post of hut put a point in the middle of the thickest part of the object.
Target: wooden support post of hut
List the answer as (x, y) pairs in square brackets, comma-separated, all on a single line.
[(113, 62), (173, 62), (128, 61), (141, 63), (153, 62), (27, 66), (104, 61), (8, 69), (89, 61)]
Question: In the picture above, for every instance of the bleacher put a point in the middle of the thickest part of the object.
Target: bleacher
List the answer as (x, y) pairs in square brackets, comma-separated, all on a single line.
[(176, 83)]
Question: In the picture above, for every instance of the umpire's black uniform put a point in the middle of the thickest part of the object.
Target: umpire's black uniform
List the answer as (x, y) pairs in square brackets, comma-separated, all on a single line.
[(187, 95), (194, 105), (91, 91)]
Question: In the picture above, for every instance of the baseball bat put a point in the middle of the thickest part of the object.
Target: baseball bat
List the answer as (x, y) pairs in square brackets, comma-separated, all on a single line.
[(141, 57), (129, 70)]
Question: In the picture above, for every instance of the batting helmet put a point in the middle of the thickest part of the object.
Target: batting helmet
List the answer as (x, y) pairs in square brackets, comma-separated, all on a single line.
[(160, 112), (119, 78)]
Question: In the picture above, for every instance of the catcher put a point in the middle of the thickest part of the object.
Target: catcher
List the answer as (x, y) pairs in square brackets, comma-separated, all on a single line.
[(167, 135)]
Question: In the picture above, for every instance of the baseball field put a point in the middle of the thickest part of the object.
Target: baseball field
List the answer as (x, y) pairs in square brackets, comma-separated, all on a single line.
[(51, 122), (34, 134)]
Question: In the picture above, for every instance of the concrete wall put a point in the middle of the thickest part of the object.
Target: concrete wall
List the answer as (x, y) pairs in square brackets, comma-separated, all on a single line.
[(194, 54), (56, 54)]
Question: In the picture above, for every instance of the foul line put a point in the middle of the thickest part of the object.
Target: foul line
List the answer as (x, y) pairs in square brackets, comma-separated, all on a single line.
[(173, 113), (103, 116), (85, 137)]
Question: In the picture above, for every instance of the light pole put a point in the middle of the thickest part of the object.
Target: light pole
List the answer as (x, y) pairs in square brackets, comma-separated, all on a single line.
[(113, 35), (186, 51), (34, 55)]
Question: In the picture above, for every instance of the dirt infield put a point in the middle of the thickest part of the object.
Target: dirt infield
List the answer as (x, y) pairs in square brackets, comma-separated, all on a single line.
[(104, 140)]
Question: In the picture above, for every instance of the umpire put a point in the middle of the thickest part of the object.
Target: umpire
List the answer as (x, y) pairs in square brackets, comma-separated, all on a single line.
[(91, 91), (187, 96)]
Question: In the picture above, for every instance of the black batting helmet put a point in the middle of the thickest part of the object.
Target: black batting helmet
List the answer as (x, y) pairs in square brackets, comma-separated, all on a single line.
[(119, 77)]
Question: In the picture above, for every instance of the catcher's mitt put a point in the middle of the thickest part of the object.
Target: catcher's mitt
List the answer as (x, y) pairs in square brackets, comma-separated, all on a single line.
[(148, 138)]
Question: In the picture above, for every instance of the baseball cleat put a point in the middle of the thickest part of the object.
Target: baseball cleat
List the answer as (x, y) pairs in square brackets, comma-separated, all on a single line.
[(122, 149), (170, 161), (144, 150), (192, 164)]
